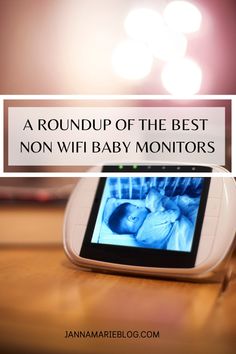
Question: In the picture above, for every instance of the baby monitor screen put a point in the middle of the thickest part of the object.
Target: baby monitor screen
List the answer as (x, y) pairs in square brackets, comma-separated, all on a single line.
[(149, 212)]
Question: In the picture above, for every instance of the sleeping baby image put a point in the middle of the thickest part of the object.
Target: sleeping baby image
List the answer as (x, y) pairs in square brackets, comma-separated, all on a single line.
[(158, 224), (152, 212)]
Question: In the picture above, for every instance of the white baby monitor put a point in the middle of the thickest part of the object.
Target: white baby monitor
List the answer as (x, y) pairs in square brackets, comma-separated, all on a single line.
[(179, 227)]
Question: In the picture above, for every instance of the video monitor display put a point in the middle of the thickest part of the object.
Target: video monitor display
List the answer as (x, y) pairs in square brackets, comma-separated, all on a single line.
[(149, 212)]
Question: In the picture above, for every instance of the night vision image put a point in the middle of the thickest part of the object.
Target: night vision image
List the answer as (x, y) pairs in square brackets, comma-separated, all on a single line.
[(149, 212)]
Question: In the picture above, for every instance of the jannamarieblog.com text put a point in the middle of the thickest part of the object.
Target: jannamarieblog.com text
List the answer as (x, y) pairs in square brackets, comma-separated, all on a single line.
[(111, 334)]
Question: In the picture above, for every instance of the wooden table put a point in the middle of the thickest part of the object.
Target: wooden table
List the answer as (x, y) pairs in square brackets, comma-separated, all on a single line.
[(43, 295)]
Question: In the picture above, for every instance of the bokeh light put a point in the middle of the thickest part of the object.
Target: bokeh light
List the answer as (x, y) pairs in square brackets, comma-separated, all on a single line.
[(182, 16), (182, 77), (164, 37), (168, 44), (142, 23), (132, 60)]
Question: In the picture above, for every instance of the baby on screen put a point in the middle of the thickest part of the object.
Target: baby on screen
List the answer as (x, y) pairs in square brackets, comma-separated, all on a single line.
[(158, 224)]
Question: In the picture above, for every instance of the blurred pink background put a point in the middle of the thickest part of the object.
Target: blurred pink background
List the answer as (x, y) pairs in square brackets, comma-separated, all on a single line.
[(65, 46)]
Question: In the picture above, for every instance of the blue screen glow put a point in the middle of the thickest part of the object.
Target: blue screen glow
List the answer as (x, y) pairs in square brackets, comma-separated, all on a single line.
[(149, 212)]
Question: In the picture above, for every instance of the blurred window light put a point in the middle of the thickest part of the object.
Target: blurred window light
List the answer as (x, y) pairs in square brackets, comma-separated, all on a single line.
[(182, 16), (132, 60), (168, 44), (182, 77), (142, 23)]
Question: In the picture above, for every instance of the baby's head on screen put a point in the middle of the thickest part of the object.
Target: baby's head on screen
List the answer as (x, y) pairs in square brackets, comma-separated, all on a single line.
[(127, 218)]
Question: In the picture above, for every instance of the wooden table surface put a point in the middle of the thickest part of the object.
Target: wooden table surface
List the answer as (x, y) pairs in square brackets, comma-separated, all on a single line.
[(43, 295)]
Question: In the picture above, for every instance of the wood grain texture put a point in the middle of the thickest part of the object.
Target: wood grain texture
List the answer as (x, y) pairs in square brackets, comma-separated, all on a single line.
[(43, 295), (22, 224)]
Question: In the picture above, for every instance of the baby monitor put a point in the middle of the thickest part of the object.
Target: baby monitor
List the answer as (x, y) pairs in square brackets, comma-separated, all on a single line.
[(149, 224)]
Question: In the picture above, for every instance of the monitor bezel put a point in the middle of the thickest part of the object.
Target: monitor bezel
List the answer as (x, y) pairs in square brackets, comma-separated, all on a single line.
[(137, 256)]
